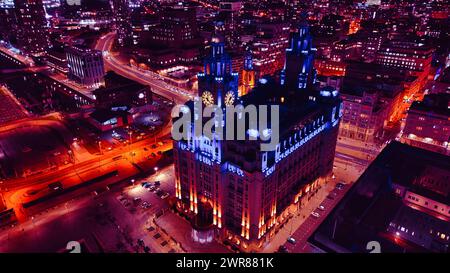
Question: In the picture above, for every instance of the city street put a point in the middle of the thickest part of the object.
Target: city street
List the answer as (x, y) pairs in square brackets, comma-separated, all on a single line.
[(113, 217), (303, 223), (145, 77)]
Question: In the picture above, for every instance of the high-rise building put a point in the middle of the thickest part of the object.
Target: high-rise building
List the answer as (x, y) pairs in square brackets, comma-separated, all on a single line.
[(268, 48), (172, 40), (229, 15), (234, 186), (122, 17), (85, 66), (416, 57), (31, 26), (177, 28)]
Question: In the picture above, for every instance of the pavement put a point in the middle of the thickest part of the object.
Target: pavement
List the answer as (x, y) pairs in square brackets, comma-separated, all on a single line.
[(346, 169)]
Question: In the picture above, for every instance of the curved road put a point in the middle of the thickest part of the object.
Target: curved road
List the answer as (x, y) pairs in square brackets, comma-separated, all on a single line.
[(155, 81)]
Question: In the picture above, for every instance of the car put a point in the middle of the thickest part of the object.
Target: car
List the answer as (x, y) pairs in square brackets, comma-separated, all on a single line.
[(151, 188), (157, 183), (137, 199), (165, 195), (329, 196), (154, 146), (283, 249), (315, 214), (160, 143), (144, 184), (291, 240), (153, 154), (321, 207), (159, 152), (145, 149)]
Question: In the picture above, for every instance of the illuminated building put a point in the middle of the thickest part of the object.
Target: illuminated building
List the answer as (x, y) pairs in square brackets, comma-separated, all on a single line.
[(348, 49), (56, 58), (85, 66), (177, 28), (122, 16), (48, 4), (7, 21), (229, 15), (250, 192), (400, 201), (354, 26), (31, 26), (413, 56), (326, 67), (427, 124), (371, 42), (107, 119), (248, 75), (268, 48), (397, 87), (365, 115), (172, 41), (120, 92)]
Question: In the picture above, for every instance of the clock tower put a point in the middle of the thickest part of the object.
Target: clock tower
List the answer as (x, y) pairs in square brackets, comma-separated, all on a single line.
[(299, 72), (218, 84)]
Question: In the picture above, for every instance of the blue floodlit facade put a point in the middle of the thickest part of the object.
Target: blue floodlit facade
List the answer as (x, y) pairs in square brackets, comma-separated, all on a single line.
[(242, 192)]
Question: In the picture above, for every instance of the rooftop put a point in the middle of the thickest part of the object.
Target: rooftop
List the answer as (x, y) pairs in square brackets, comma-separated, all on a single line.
[(365, 212)]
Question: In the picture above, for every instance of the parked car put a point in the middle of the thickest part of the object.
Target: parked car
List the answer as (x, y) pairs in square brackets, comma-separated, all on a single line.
[(291, 240), (321, 207), (165, 195), (145, 205), (315, 214)]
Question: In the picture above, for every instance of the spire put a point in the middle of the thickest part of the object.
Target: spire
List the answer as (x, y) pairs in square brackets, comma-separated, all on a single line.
[(217, 44), (248, 60), (299, 69)]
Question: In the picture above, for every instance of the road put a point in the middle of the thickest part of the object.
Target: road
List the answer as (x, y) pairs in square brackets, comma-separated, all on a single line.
[(312, 222), (155, 81), (22, 59), (113, 217)]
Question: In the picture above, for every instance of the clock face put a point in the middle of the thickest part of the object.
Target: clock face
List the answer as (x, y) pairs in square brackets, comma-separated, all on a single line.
[(207, 98), (229, 98)]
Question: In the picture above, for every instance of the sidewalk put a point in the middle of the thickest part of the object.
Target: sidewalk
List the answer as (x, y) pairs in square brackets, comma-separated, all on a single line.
[(299, 218)]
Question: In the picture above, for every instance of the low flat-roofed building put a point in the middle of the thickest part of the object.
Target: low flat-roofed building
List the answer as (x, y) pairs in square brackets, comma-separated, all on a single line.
[(428, 123), (379, 206), (106, 119), (121, 91)]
